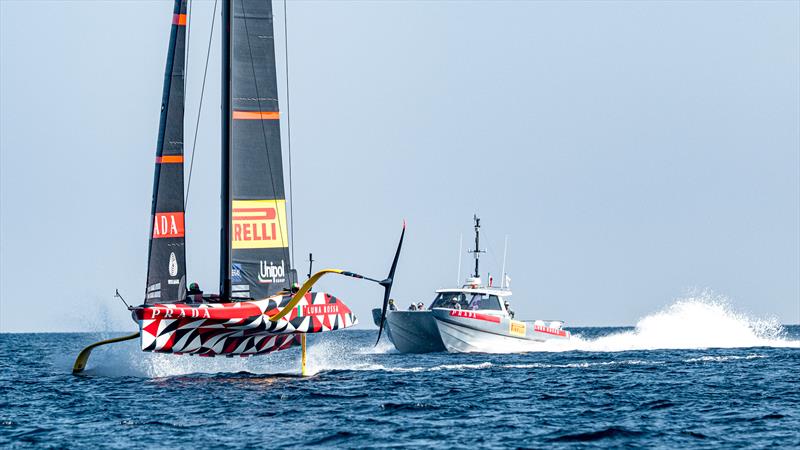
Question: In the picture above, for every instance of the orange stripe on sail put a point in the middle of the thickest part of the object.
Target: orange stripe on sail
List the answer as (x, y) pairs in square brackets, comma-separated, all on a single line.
[(169, 159), (179, 19), (256, 115)]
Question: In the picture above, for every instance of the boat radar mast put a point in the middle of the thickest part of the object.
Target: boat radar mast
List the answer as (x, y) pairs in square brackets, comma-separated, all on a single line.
[(477, 251)]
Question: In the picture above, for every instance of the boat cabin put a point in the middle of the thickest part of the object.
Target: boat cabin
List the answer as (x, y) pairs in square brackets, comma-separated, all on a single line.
[(488, 300)]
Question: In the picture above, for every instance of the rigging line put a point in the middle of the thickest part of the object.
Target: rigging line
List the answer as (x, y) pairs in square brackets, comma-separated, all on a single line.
[(200, 107), (263, 129), (186, 49), (288, 126)]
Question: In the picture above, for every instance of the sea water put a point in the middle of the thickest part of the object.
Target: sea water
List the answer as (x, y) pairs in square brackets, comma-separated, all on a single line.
[(696, 374)]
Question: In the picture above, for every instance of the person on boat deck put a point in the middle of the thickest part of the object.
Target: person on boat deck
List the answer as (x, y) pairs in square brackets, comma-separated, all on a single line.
[(392, 306), (412, 307), (420, 306), (194, 295), (475, 303), (508, 309)]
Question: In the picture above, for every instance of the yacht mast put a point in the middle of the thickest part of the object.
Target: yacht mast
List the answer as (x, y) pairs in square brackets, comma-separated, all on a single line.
[(225, 191)]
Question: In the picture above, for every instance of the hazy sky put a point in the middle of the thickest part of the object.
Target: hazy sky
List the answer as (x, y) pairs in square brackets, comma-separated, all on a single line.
[(631, 151)]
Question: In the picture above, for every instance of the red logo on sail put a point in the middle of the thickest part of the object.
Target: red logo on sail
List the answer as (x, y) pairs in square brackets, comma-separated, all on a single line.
[(168, 225), (258, 224)]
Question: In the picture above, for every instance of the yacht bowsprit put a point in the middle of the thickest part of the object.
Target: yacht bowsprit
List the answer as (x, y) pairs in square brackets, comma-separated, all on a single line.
[(259, 308), (472, 318)]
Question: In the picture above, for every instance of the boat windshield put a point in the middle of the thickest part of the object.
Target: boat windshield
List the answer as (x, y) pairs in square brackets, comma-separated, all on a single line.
[(450, 300), (466, 301)]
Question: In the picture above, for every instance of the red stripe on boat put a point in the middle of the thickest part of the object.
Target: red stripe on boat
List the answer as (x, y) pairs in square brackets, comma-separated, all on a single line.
[(548, 330), (473, 315)]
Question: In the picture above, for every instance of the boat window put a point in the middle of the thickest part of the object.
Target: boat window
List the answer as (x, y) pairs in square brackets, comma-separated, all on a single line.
[(484, 301), (449, 300)]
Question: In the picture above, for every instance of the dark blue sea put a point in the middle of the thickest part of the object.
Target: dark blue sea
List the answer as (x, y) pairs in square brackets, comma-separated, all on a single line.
[(665, 383)]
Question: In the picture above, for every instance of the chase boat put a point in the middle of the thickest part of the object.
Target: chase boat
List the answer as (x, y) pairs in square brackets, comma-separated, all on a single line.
[(472, 318), (478, 319)]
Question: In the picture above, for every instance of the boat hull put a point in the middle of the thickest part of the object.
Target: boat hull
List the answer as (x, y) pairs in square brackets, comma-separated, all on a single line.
[(411, 331), (464, 331), (238, 329)]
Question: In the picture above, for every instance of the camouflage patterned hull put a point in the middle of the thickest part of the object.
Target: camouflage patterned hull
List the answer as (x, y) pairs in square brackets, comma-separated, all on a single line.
[(238, 329)]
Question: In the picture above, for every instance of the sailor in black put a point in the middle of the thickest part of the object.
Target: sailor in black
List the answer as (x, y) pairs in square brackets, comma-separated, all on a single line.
[(194, 295)]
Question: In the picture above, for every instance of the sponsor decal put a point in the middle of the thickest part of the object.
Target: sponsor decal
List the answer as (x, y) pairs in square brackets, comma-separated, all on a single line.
[(173, 264), (176, 313), (258, 224), (168, 225), (473, 315), (320, 310), (548, 330), (236, 273), (516, 328), (240, 311), (271, 273)]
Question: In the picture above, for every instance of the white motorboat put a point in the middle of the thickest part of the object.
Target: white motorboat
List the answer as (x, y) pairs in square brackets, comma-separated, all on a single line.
[(479, 320), (472, 318)]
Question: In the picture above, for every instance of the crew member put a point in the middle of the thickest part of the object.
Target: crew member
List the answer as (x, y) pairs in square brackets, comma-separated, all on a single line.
[(195, 295), (392, 306), (420, 306), (412, 307), (508, 309)]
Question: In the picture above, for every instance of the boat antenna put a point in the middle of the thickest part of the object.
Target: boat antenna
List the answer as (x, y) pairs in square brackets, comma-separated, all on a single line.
[(310, 263), (503, 272), (460, 246), (477, 252), (119, 296)]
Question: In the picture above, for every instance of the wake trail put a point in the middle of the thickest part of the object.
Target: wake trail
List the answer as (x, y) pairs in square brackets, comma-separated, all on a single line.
[(702, 321)]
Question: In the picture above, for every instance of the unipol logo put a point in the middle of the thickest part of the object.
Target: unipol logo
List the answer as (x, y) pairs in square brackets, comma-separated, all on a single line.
[(271, 273), (173, 264), (258, 224), (168, 225)]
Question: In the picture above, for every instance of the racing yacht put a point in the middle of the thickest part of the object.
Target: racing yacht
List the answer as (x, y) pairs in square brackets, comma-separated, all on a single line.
[(472, 318)]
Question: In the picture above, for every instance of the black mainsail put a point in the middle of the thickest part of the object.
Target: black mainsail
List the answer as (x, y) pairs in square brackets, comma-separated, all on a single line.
[(255, 260), (166, 271)]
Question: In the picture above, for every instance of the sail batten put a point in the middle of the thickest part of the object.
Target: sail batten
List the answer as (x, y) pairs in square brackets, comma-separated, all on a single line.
[(166, 271), (258, 237)]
